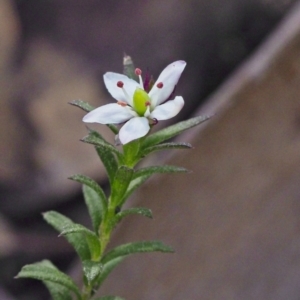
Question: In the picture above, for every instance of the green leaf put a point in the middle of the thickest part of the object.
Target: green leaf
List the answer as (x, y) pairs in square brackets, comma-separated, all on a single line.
[(59, 222), (83, 105), (113, 128), (94, 205), (133, 185), (171, 131), (95, 140), (91, 270), (107, 269), (107, 157), (57, 291), (158, 169), (137, 247), (109, 161), (44, 272), (166, 146), (120, 184), (91, 238), (110, 298), (94, 197), (146, 212)]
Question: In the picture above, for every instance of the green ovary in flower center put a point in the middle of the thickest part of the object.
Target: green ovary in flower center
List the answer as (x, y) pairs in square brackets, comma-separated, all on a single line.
[(141, 101)]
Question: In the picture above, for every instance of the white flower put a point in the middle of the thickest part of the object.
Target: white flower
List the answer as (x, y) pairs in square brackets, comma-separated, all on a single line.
[(135, 105)]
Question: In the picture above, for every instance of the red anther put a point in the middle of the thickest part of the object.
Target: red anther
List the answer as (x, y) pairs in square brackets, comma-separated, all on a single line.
[(120, 84), (122, 103), (138, 72), (160, 85), (154, 121), (147, 103)]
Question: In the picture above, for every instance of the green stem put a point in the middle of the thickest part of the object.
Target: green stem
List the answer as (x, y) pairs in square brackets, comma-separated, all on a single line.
[(131, 158), (86, 293)]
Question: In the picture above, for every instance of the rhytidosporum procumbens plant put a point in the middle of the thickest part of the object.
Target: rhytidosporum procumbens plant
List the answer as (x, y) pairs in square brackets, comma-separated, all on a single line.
[(140, 106)]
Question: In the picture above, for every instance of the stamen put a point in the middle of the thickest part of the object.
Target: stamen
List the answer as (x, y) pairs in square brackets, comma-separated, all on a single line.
[(160, 85), (122, 103), (120, 84), (154, 121), (147, 103), (138, 72)]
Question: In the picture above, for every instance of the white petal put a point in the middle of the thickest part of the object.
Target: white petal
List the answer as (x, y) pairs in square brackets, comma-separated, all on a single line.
[(168, 110), (169, 77), (109, 114), (134, 129), (130, 85)]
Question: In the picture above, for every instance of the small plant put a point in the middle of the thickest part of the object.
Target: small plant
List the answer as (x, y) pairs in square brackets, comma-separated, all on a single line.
[(140, 105)]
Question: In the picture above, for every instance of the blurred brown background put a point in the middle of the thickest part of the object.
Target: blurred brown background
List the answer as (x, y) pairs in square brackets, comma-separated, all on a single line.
[(234, 221)]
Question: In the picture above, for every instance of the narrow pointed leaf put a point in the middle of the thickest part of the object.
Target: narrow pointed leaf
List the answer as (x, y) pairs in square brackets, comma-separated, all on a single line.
[(57, 291), (158, 169), (109, 161), (59, 222), (134, 184), (94, 197), (92, 139), (46, 273), (91, 270), (166, 146), (107, 269), (110, 298), (107, 157), (91, 238), (120, 184), (146, 212), (94, 205), (92, 184), (171, 131), (137, 247), (83, 105)]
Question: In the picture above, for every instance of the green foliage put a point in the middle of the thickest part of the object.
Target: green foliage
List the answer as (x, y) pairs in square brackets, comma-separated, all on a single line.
[(94, 205), (60, 222), (57, 291), (133, 185), (136, 247), (171, 131), (91, 270), (91, 238), (107, 157), (120, 184), (165, 146), (95, 198), (108, 267), (110, 298), (48, 273), (146, 212), (91, 138), (148, 171), (83, 105)]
